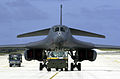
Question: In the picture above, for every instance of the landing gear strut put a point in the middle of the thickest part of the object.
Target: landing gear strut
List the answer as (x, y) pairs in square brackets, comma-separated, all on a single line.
[(75, 57), (41, 66)]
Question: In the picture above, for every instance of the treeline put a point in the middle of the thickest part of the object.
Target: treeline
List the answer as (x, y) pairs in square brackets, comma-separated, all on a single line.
[(8, 50)]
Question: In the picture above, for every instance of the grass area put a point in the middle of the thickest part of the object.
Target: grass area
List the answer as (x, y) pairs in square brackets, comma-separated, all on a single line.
[(12, 52), (109, 49), (3, 53)]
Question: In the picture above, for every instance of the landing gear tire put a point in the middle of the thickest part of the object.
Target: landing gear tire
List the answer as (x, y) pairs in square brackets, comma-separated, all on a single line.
[(19, 65), (56, 69), (10, 65), (41, 66), (72, 67), (61, 69), (79, 66), (66, 69), (48, 69)]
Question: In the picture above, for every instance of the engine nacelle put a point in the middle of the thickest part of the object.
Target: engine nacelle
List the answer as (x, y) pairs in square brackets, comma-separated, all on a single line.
[(86, 54), (91, 55), (28, 55), (34, 54)]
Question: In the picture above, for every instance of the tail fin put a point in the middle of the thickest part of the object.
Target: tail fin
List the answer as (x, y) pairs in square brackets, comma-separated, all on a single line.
[(61, 14)]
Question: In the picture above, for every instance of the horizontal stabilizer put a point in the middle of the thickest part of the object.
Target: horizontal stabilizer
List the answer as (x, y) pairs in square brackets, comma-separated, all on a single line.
[(85, 33), (35, 33)]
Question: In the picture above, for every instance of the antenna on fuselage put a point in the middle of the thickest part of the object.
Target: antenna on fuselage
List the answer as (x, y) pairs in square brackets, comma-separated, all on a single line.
[(61, 14)]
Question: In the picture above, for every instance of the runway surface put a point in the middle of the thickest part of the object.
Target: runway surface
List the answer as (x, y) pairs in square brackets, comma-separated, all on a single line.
[(106, 66)]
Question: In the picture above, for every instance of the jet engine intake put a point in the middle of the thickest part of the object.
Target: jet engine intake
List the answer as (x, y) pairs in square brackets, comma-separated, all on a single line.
[(85, 54), (34, 54)]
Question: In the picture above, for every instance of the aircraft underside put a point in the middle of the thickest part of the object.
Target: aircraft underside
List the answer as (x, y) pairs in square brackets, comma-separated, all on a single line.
[(58, 58)]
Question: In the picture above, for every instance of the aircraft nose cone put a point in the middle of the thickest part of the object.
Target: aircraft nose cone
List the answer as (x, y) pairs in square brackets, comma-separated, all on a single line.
[(58, 40), (59, 37), (59, 33)]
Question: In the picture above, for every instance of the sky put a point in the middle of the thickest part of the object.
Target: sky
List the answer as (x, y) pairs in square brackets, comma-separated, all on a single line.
[(22, 16)]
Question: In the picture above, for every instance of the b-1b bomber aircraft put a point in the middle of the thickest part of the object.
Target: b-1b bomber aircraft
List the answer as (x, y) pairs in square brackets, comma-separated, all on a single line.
[(53, 51)]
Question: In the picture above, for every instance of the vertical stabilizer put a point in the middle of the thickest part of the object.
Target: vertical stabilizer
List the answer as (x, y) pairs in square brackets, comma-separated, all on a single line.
[(61, 14)]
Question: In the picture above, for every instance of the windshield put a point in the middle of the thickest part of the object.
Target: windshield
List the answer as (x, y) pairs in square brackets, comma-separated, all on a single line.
[(56, 29), (62, 29), (14, 57)]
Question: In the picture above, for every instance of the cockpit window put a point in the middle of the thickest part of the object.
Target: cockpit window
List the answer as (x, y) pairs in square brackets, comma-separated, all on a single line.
[(56, 29), (62, 29)]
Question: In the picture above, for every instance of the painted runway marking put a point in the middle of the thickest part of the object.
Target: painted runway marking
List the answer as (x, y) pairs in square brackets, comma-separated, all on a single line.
[(54, 75)]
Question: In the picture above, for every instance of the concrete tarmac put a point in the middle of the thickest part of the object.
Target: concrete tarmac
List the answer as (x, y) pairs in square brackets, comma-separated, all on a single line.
[(106, 66)]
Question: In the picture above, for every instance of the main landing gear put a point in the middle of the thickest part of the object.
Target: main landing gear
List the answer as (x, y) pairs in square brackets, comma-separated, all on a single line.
[(77, 65), (42, 65), (73, 65)]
